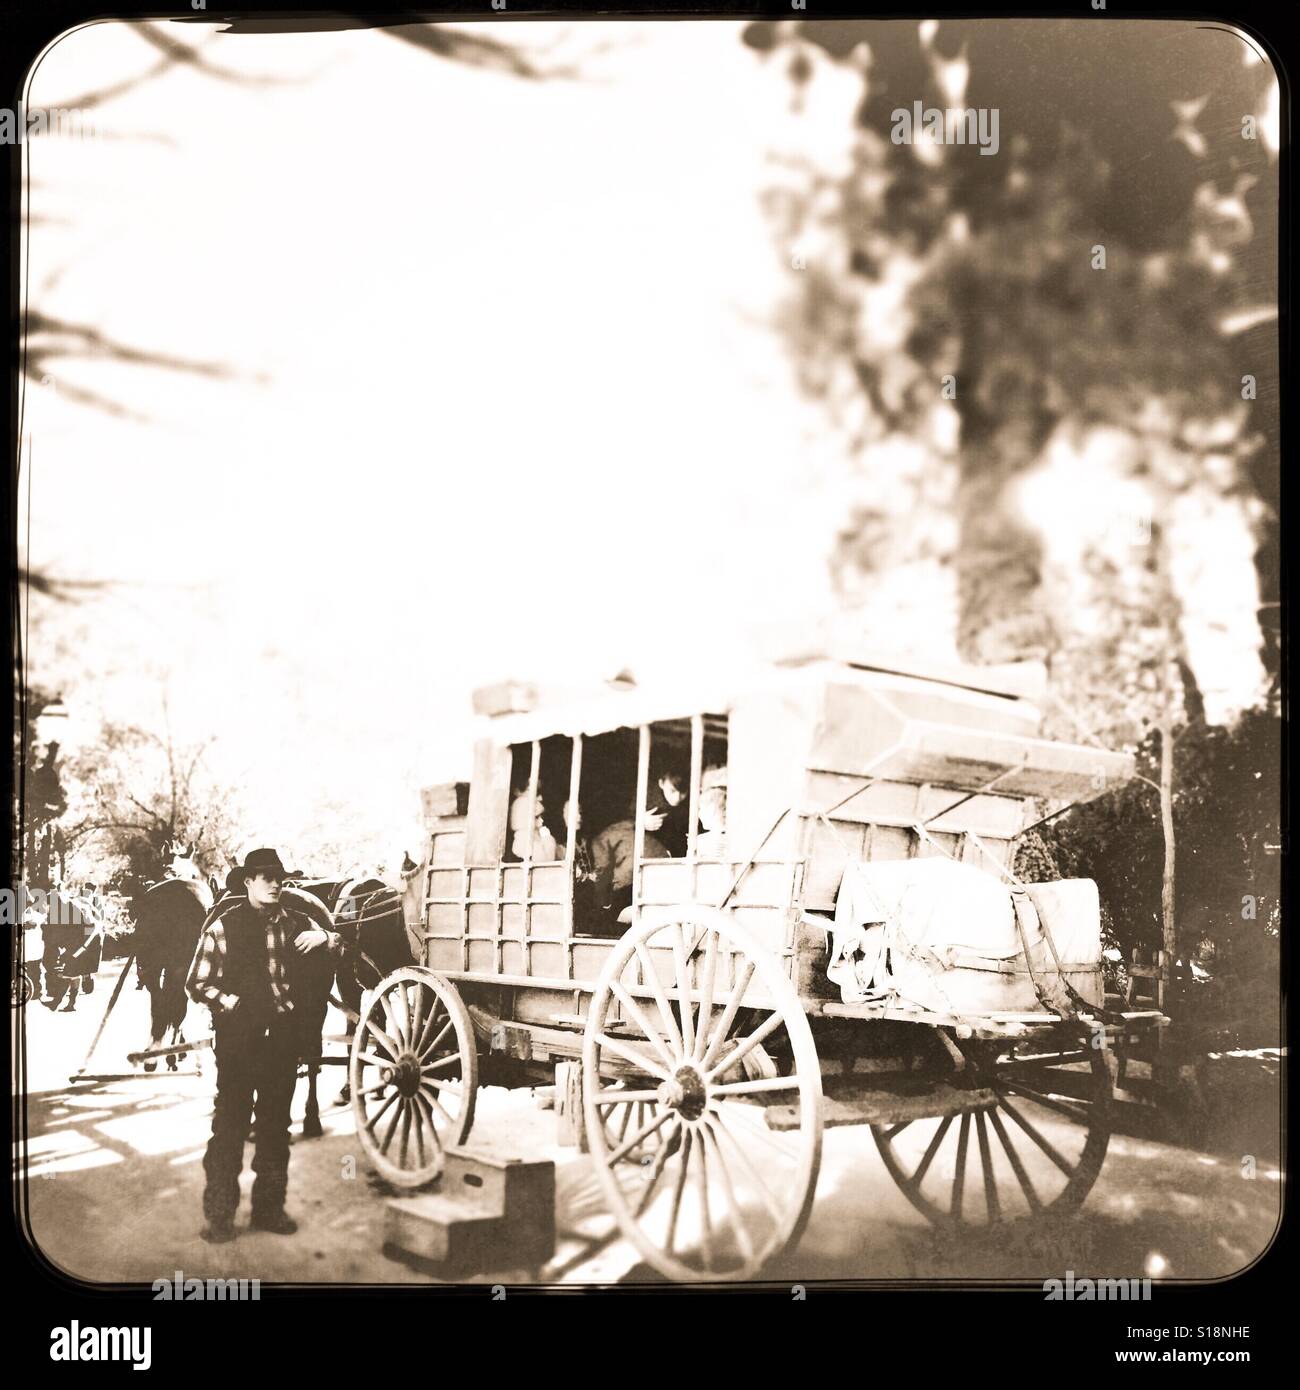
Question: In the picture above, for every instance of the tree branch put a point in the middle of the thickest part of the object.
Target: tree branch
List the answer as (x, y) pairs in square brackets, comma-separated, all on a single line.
[(78, 833), (474, 50), (194, 762), (142, 807)]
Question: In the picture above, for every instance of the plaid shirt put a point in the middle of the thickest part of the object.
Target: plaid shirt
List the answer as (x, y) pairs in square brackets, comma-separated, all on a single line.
[(207, 973)]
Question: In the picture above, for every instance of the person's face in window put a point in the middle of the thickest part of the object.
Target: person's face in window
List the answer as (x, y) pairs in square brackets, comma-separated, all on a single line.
[(713, 809), (673, 791)]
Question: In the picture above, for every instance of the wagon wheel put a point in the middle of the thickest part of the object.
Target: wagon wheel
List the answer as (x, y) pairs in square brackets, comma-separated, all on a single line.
[(1035, 1150), (413, 1075), (624, 1122), (722, 1195)]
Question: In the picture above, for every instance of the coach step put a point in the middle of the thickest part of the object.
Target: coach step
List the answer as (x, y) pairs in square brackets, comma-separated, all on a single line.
[(489, 1213)]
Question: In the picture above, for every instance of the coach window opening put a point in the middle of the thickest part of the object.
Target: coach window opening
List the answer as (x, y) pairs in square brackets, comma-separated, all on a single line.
[(688, 749), (616, 778), (540, 784)]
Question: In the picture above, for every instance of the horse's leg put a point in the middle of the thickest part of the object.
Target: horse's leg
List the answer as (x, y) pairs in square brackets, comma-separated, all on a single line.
[(311, 1125), (175, 1031), (349, 989), (157, 1019)]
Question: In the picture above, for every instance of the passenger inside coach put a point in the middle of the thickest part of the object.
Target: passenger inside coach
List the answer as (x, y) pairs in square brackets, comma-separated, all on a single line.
[(612, 857), (712, 840), (544, 849), (668, 810)]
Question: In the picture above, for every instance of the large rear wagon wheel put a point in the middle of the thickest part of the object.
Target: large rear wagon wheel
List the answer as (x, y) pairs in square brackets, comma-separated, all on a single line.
[(1035, 1150), (413, 1074), (681, 1084)]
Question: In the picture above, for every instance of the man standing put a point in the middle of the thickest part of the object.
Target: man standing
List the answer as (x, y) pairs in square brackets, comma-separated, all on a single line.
[(242, 972)]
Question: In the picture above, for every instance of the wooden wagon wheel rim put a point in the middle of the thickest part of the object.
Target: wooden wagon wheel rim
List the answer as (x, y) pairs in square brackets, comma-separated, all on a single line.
[(964, 1155), (413, 1075), (691, 1074)]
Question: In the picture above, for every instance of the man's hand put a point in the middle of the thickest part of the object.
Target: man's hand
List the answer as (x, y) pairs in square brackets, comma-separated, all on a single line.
[(654, 820), (310, 939)]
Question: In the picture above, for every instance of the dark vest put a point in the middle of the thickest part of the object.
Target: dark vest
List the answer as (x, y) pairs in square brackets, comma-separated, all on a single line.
[(248, 970)]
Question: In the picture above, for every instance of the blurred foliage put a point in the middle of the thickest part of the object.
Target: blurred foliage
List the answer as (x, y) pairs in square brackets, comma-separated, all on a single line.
[(1226, 813), (985, 264)]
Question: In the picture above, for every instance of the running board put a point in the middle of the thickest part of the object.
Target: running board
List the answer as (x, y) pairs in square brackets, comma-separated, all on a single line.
[(869, 1107)]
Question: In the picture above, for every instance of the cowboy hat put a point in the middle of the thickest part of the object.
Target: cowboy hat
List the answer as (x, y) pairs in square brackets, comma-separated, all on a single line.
[(259, 861)]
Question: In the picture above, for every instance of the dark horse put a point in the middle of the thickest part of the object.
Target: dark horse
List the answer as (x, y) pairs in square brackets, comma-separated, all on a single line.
[(367, 914), (169, 919)]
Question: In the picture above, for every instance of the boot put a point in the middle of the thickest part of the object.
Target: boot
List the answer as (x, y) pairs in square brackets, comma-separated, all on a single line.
[(277, 1223)]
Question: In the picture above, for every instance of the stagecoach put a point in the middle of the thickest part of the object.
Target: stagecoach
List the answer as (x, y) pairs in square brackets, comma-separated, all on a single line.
[(852, 947)]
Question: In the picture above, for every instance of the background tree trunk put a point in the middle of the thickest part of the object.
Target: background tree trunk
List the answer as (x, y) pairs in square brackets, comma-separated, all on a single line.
[(1168, 917)]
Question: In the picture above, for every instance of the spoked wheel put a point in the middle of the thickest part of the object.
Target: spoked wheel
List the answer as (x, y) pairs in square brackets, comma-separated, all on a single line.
[(626, 1121), (683, 1083), (413, 1075), (1034, 1147)]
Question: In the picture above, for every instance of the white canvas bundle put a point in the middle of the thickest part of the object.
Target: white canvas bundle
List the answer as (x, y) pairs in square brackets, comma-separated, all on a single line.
[(943, 936)]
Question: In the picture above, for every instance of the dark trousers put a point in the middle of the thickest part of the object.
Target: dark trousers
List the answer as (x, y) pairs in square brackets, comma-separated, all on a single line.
[(257, 1069), (60, 989)]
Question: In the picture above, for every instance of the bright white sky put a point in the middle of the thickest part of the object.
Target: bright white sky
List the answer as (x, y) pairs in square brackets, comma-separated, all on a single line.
[(505, 403)]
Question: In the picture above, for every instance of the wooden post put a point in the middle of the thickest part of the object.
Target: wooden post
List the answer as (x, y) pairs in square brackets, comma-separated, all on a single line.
[(570, 1125), (571, 830), (697, 773), (642, 791), (533, 768), (103, 1022)]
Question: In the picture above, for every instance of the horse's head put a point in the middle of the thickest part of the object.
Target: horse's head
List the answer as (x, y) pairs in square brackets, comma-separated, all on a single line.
[(182, 864), (412, 875)]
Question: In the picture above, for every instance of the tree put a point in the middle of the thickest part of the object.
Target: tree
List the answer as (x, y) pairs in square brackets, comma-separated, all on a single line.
[(135, 794), (1089, 303), (1227, 795)]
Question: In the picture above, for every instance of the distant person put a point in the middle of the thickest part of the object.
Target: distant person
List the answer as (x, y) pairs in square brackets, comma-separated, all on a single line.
[(72, 952), (33, 947)]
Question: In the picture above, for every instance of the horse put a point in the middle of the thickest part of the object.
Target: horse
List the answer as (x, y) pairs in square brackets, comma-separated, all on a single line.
[(368, 914), (169, 919)]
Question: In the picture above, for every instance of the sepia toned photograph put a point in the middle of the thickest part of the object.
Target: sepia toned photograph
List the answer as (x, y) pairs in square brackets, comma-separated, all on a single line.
[(648, 654)]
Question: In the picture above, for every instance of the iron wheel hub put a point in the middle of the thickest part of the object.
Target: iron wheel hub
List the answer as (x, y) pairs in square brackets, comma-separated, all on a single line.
[(685, 1093), (406, 1074)]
